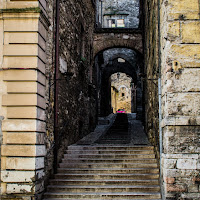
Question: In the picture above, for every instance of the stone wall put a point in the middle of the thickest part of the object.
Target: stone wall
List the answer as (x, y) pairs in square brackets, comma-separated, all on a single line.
[(103, 41), (179, 61), (77, 94), (77, 112), (27, 89), (151, 72), (180, 55), (23, 29), (49, 94)]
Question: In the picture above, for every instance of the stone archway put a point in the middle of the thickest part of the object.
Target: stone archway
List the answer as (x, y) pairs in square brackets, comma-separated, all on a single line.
[(110, 69), (103, 41)]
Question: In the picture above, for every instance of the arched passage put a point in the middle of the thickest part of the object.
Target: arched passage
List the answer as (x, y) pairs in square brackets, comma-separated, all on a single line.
[(108, 64)]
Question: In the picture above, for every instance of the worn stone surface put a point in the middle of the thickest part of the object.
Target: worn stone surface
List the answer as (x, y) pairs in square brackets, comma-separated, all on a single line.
[(180, 97), (176, 47)]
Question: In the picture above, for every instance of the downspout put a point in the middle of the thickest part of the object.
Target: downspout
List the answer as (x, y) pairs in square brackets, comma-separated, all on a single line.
[(56, 77), (160, 101), (101, 13)]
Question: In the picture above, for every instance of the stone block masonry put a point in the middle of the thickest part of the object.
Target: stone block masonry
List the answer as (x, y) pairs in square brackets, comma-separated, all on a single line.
[(23, 35), (180, 50), (178, 41)]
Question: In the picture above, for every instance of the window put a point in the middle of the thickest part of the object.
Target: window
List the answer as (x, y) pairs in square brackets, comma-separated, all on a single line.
[(111, 23), (120, 23)]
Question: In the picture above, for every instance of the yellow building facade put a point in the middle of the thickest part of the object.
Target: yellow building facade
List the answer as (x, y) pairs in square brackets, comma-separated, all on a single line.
[(121, 92)]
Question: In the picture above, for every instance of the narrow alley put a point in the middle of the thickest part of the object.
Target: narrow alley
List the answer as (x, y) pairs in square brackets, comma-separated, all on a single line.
[(99, 99), (117, 165)]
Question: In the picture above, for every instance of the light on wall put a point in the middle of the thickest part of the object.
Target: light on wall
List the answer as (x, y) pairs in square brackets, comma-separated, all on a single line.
[(118, 75)]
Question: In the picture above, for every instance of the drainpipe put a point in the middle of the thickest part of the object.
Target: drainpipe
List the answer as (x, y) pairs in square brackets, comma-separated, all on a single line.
[(160, 102), (101, 13), (56, 77)]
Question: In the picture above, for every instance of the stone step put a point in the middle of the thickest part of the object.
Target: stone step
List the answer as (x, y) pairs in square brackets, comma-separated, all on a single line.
[(104, 171), (109, 156), (133, 195), (117, 134), (100, 188), (74, 152), (107, 160), (108, 170), (106, 141), (115, 182), (110, 147), (106, 176), (109, 165)]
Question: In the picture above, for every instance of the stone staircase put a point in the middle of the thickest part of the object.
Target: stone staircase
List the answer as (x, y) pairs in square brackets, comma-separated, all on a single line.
[(105, 171), (118, 132)]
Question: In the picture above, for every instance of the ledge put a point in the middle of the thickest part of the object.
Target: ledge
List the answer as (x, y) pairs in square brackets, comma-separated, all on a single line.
[(21, 10)]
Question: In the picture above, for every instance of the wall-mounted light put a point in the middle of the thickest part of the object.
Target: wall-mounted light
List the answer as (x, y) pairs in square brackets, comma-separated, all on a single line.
[(118, 75)]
